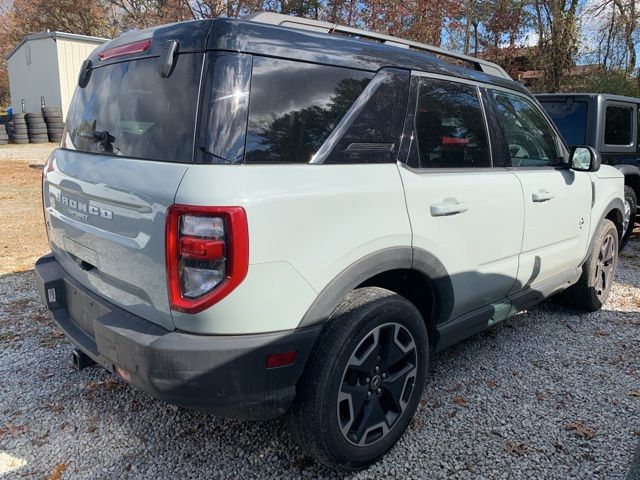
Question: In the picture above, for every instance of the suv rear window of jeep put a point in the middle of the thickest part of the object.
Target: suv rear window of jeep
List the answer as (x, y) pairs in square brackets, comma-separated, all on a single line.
[(617, 125), (145, 116), (294, 106)]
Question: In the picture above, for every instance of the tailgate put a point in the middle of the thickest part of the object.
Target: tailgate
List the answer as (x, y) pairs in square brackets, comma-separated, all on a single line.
[(105, 218)]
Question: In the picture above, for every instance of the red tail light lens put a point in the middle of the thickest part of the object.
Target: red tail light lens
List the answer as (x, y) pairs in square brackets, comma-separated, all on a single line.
[(128, 49), (207, 254)]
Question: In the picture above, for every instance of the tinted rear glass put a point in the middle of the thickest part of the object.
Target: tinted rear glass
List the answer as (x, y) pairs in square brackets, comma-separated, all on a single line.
[(617, 125), (571, 119), (294, 106), (144, 115)]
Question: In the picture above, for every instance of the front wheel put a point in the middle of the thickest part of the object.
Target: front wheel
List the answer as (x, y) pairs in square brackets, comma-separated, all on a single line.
[(363, 382), (592, 290)]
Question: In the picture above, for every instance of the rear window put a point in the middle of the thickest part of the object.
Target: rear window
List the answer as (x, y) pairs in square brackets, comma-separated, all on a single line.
[(294, 106), (570, 116), (618, 125), (128, 109)]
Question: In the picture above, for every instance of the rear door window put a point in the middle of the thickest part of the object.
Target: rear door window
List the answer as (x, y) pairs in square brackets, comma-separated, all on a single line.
[(449, 127), (618, 125), (294, 106), (127, 109)]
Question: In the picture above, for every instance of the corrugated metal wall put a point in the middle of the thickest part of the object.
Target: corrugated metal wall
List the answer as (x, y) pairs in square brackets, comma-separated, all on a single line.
[(71, 54), (33, 73)]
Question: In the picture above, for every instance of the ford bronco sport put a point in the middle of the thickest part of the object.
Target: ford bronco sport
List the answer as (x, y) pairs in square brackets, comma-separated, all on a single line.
[(608, 123), (279, 216)]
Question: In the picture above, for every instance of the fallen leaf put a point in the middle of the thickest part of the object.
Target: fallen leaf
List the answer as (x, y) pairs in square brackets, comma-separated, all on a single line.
[(540, 396), (517, 449), (57, 472), (53, 406), (459, 401), (581, 430), (416, 423), (634, 393), (452, 413), (600, 333), (13, 430), (492, 383)]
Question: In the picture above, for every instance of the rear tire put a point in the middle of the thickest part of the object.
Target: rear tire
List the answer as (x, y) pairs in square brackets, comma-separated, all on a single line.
[(592, 290), (631, 199), (363, 381)]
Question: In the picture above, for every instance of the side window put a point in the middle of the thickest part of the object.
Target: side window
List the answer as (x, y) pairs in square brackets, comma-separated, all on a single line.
[(371, 131), (618, 125), (449, 127), (225, 108), (532, 141), (294, 106)]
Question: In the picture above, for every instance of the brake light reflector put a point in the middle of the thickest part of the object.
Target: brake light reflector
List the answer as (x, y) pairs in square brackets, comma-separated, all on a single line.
[(207, 254), (128, 49), (282, 359)]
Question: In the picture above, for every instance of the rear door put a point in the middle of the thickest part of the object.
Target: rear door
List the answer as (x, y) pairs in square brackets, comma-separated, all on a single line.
[(127, 144), (557, 200), (465, 211)]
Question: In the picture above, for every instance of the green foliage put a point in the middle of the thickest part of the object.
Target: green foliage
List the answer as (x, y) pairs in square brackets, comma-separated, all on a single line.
[(614, 82)]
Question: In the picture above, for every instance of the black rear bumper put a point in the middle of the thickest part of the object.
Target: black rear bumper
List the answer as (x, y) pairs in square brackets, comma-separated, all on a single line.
[(223, 375)]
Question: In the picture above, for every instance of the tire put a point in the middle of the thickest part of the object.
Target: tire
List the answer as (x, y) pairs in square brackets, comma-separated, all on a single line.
[(322, 417), (631, 199), (592, 290)]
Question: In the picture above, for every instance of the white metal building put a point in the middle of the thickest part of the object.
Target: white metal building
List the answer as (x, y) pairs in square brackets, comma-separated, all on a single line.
[(45, 66)]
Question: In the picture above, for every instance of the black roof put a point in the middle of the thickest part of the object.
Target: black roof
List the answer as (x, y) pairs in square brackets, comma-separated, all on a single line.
[(286, 42)]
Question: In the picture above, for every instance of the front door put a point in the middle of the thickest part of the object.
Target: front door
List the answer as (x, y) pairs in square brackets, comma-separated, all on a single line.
[(557, 200)]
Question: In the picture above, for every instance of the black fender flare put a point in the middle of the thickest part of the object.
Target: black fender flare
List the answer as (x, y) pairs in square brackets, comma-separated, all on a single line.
[(615, 204), (393, 258)]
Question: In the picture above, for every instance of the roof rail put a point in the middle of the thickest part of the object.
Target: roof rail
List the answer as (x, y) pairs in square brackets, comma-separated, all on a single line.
[(327, 27)]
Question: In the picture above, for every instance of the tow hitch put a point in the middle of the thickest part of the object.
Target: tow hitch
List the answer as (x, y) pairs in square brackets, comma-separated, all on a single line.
[(81, 360)]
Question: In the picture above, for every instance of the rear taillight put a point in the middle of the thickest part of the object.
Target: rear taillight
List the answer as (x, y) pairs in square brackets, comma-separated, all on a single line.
[(207, 250)]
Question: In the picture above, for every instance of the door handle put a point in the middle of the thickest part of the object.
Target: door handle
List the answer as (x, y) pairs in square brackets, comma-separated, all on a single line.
[(450, 206), (542, 196)]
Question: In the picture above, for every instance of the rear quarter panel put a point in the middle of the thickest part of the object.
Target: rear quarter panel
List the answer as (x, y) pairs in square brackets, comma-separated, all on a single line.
[(307, 223)]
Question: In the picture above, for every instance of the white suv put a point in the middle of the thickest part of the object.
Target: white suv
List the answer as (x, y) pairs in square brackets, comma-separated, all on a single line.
[(276, 216)]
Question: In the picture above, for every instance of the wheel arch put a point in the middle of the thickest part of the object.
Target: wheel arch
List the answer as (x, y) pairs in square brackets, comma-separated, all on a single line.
[(614, 212), (413, 273)]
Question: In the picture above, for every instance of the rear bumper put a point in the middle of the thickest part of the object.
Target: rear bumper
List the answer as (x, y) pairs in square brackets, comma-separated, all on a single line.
[(223, 375)]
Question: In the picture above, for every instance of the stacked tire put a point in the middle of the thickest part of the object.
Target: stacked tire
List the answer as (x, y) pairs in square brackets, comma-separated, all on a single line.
[(4, 136), (18, 132), (37, 128), (55, 125)]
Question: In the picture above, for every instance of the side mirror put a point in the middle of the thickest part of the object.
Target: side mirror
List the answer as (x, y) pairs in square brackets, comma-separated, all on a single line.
[(585, 159)]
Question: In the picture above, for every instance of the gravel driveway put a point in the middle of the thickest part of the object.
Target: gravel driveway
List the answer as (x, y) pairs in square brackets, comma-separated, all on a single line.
[(551, 393)]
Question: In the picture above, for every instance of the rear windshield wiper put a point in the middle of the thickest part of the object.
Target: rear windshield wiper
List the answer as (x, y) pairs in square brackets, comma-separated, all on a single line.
[(102, 137)]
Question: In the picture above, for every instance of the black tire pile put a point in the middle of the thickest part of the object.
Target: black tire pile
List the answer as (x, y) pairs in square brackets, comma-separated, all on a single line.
[(4, 136), (18, 132), (37, 128), (55, 125)]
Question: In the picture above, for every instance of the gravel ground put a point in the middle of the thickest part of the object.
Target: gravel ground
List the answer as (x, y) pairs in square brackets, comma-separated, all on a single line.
[(551, 393)]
